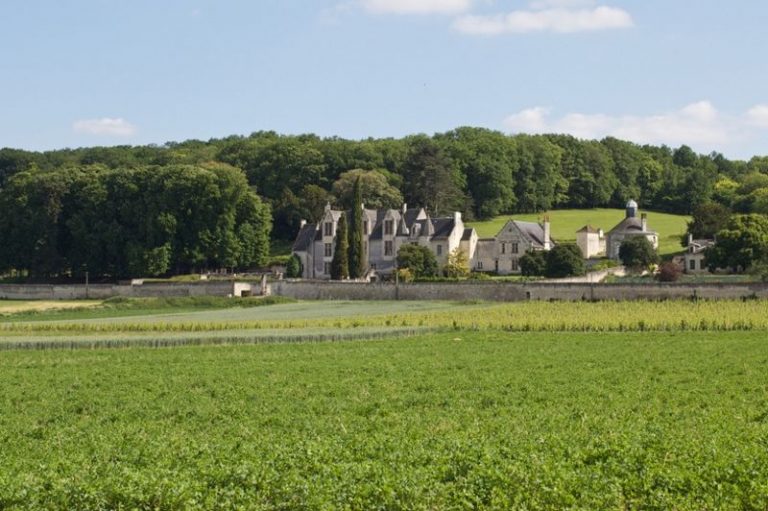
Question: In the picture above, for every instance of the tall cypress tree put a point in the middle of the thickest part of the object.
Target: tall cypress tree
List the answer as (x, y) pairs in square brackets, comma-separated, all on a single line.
[(340, 262), (357, 264)]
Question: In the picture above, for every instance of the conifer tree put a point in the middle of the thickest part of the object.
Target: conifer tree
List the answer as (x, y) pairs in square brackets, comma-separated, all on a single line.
[(340, 262), (357, 264)]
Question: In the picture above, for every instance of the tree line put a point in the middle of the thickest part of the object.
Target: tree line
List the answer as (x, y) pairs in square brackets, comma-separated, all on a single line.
[(481, 172), (142, 220)]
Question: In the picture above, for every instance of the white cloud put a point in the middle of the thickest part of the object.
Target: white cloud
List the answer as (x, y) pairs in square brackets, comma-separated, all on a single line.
[(417, 6), (105, 126), (697, 124), (551, 19), (758, 116)]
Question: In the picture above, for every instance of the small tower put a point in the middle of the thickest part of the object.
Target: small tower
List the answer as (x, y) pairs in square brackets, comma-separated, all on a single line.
[(631, 209)]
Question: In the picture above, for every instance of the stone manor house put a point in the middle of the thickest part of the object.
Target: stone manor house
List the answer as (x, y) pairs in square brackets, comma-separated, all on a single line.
[(386, 230)]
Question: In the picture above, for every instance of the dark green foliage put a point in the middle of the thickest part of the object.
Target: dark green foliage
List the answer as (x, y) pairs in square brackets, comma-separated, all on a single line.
[(357, 263), (637, 253), (430, 179), (742, 243), (418, 259), (708, 219), (340, 262), (294, 269), (131, 222), (533, 263), (565, 260)]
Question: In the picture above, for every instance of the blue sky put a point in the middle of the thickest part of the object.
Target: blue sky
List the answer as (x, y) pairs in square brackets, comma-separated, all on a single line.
[(106, 72)]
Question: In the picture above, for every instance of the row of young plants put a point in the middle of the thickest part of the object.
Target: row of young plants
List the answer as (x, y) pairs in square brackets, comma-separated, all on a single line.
[(680, 315)]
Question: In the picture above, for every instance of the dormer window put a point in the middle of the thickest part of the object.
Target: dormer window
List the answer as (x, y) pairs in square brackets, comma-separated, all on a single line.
[(389, 227), (328, 229)]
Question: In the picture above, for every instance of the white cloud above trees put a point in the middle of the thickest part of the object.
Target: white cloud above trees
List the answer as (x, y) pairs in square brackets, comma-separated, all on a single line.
[(698, 124), (546, 16), (417, 6), (105, 126)]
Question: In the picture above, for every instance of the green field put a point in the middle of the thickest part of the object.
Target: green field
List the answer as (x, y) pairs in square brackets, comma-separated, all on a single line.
[(221, 404), (565, 223), (469, 420)]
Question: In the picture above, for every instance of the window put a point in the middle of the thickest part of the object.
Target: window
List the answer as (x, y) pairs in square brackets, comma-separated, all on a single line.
[(327, 268), (496, 266), (328, 250), (515, 248), (365, 247), (389, 227), (479, 265), (692, 264), (365, 226), (328, 229), (515, 266), (439, 250), (503, 248), (387, 248)]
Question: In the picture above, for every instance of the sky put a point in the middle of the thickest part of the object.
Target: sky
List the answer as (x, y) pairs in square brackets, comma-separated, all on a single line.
[(111, 72)]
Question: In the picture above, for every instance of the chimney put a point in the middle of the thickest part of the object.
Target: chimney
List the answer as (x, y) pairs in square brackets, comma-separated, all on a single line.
[(644, 222), (302, 223), (457, 217), (690, 239), (547, 240), (405, 207)]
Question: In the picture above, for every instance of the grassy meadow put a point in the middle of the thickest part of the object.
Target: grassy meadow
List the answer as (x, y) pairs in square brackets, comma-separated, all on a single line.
[(565, 223)]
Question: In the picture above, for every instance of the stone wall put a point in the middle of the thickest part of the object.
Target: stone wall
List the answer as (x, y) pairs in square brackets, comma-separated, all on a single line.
[(507, 291), (102, 291)]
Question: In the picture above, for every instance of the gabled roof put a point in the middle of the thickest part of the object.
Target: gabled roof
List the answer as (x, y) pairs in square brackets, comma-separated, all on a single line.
[(467, 234), (411, 215), (304, 239), (443, 227), (533, 231)]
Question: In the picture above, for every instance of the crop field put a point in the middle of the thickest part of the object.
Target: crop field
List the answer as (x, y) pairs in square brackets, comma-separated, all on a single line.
[(452, 420), (565, 223), (334, 320)]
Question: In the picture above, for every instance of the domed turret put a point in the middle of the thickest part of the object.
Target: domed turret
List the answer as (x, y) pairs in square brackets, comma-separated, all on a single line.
[(631, 209)]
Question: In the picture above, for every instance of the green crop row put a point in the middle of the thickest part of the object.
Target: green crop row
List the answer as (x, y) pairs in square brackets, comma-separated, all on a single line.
[(525, 316)]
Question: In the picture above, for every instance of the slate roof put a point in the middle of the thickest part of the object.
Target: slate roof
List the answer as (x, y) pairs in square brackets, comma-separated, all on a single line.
[(534, 231), (629, 224), (467, 234), (443, 227), (410, 216), (305, 238)]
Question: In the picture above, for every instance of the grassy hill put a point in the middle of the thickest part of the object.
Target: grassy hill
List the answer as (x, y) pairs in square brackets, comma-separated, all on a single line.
[(565, 223)]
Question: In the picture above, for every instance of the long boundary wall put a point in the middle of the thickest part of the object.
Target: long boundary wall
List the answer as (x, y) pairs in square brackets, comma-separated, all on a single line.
[(509, 291), (103, 291)]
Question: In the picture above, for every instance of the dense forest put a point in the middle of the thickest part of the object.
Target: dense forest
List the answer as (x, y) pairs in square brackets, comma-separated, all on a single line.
[(156, 209)]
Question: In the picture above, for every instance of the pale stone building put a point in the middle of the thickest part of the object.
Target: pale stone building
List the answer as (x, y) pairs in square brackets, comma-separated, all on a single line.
[(694, 258), (630, 227), (502, 253), (591, 241)]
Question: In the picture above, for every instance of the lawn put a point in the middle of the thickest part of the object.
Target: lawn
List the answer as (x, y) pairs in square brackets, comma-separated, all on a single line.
[(566, 222), (454, 420)]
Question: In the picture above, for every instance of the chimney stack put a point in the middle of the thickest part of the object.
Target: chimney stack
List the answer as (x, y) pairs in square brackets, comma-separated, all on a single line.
[(405, 207), (690, 239), (457, 217), (547, 240), (302, 223), (644, 222)]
